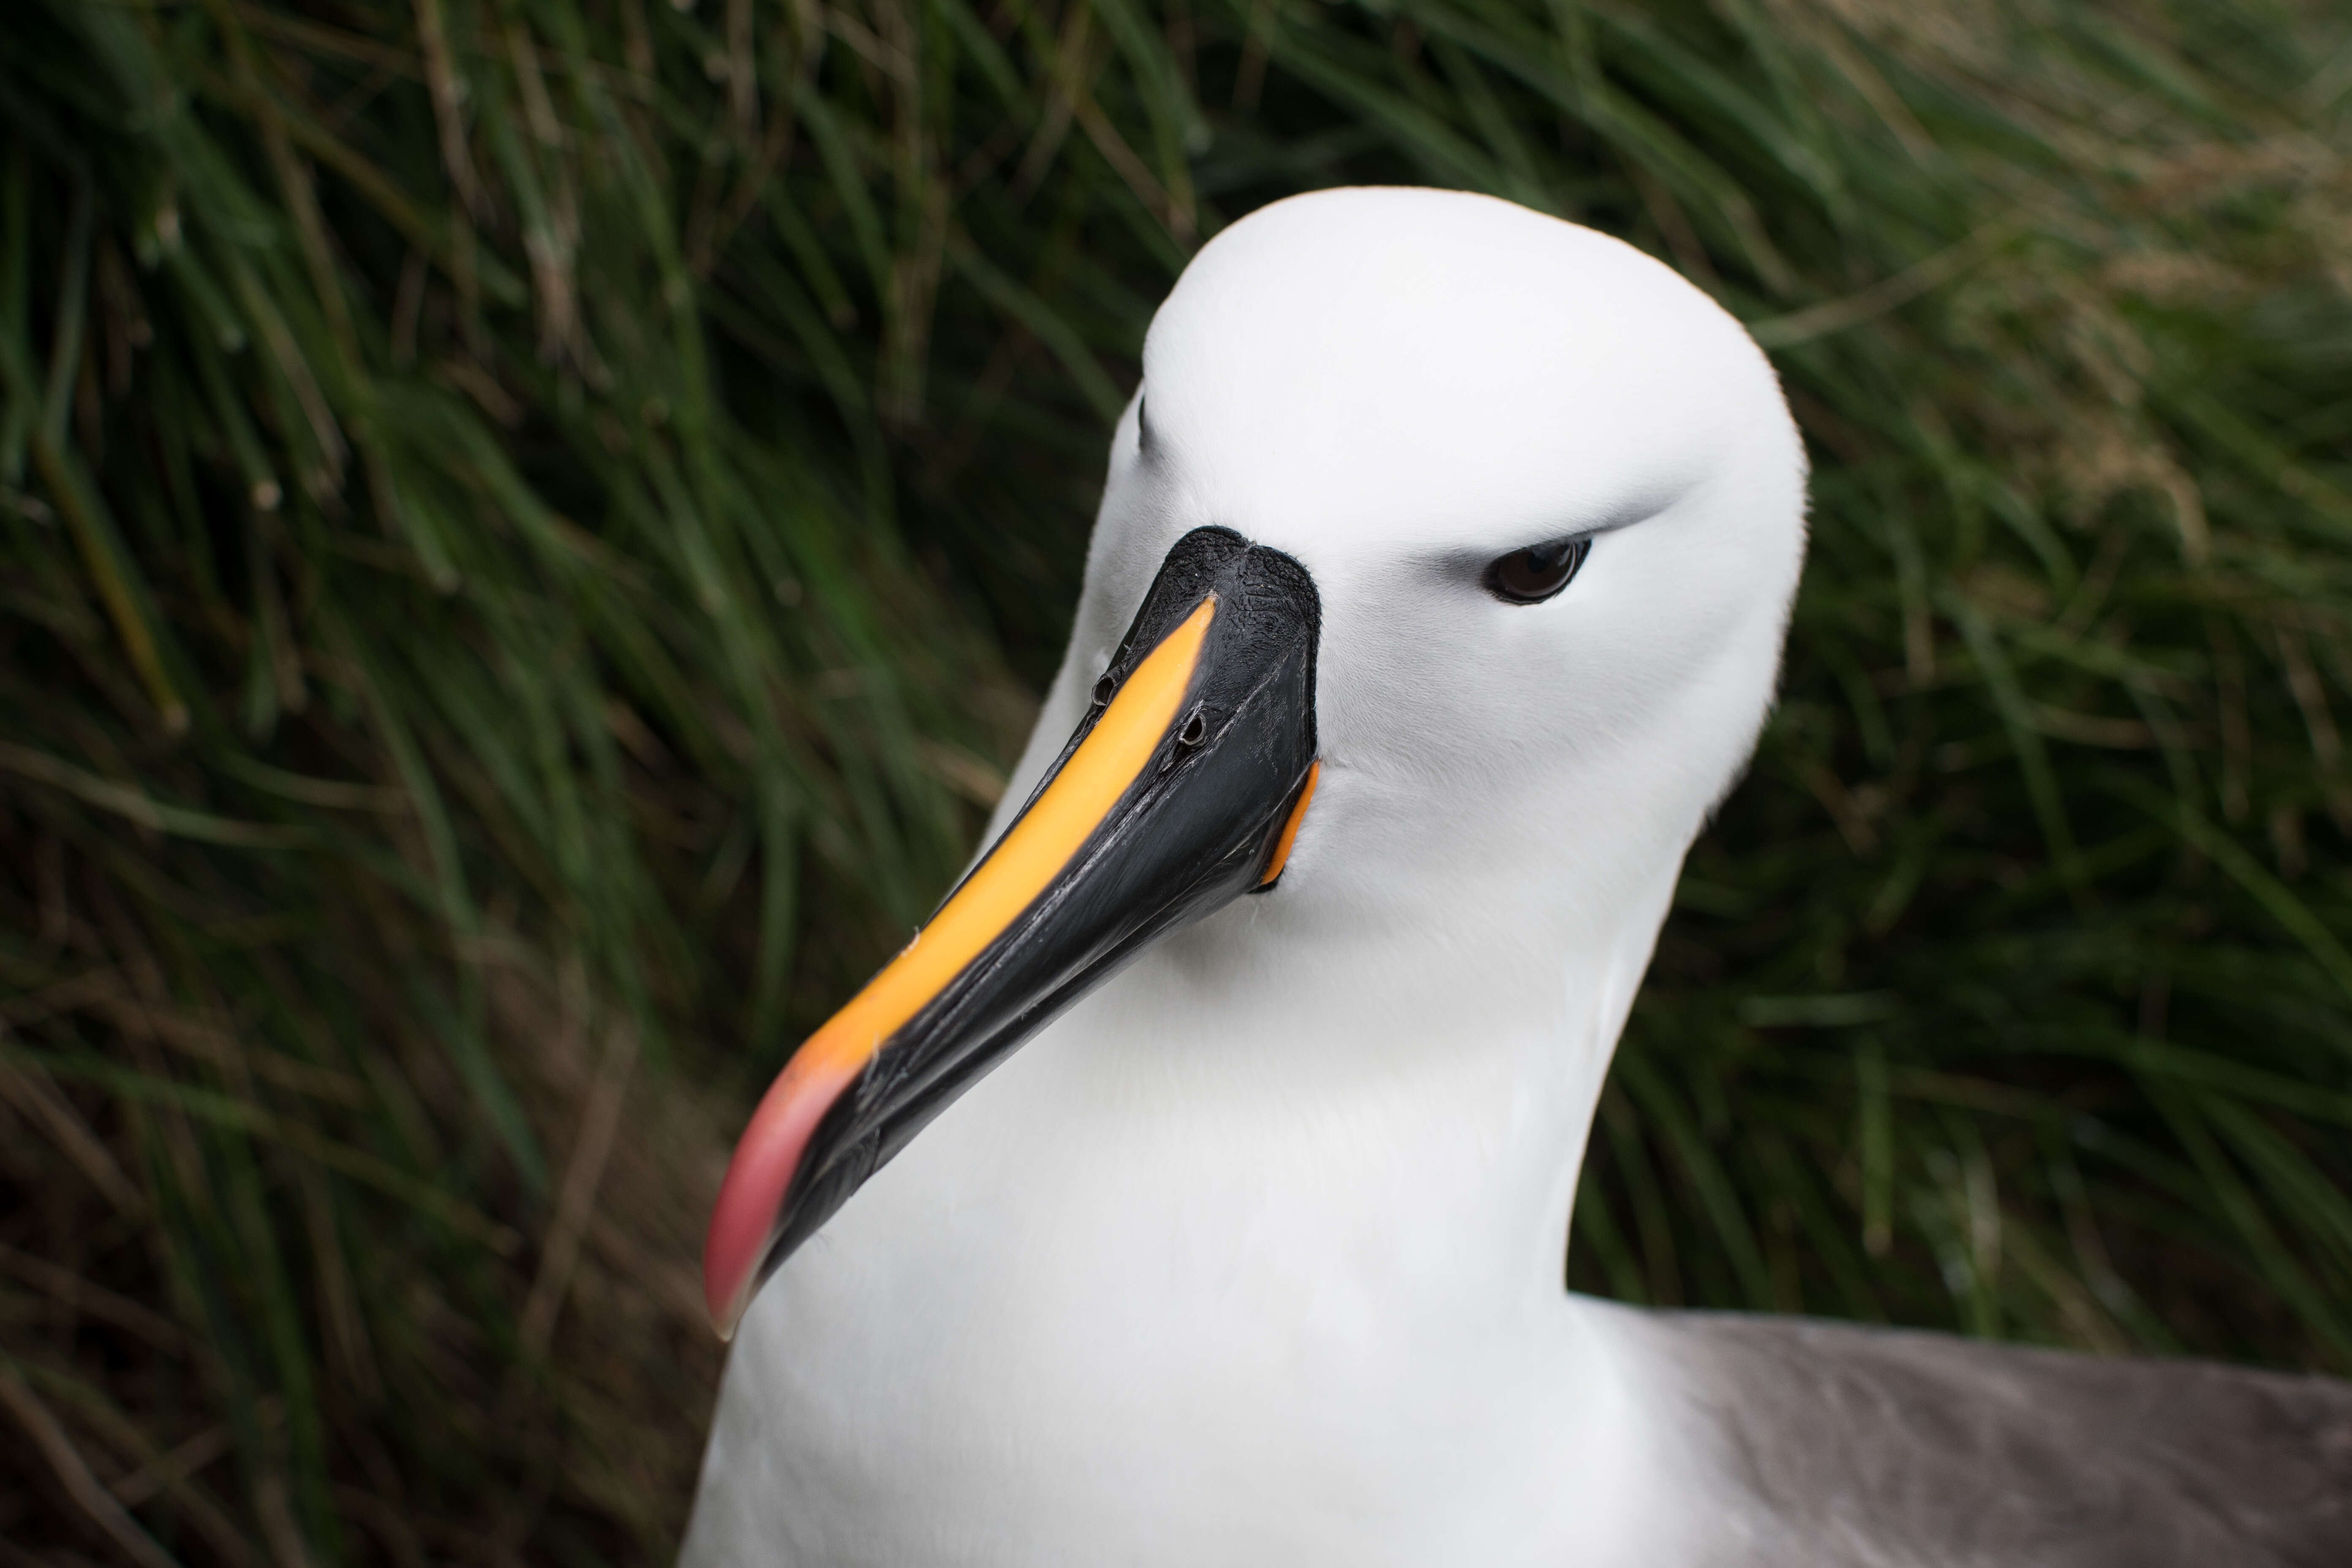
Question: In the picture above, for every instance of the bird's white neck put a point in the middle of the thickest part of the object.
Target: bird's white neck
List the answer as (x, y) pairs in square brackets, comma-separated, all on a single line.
[(1422, 1091)]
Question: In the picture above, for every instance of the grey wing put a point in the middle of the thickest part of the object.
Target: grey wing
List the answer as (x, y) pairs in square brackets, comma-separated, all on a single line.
[(1841, 1446)]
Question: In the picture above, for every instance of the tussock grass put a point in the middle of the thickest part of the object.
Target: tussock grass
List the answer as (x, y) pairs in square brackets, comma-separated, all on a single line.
[(526, 526)]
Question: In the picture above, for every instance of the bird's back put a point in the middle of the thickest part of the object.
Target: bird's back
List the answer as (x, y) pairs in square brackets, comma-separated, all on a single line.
[(1842, 1446)]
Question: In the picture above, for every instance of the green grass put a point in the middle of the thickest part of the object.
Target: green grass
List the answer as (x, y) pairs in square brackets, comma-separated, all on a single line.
[(527, 526)]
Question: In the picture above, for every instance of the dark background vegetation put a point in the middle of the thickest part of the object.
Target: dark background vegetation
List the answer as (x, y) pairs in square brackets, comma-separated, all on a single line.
[(529, 525)]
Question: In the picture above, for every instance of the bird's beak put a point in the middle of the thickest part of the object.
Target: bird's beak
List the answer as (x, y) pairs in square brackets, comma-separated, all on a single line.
[(1180, 790)]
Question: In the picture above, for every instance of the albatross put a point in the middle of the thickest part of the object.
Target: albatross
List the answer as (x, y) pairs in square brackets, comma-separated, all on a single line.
[(1193, 1190)]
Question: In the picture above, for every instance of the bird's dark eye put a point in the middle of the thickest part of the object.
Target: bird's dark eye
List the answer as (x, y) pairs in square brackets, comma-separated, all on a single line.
[(1530, 576)]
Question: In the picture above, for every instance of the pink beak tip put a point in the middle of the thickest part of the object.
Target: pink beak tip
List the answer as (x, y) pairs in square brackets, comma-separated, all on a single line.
[(730, 1257), (758, 1179)]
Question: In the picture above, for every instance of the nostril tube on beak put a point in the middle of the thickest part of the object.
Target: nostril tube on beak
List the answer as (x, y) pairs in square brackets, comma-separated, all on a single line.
[(1189, 738)]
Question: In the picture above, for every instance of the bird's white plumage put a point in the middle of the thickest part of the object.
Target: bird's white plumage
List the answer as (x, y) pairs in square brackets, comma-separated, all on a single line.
[(1256, 1255)]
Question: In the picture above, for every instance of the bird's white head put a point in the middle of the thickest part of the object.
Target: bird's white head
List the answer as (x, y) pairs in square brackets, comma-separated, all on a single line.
[(1443, 564), (1551, 498)]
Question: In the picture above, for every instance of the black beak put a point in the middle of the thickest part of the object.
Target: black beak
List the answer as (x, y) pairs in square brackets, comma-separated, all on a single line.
[(1179, 791)]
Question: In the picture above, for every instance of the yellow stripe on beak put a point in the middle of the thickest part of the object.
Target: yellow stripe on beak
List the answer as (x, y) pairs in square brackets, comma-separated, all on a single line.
[(1040, 843)]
